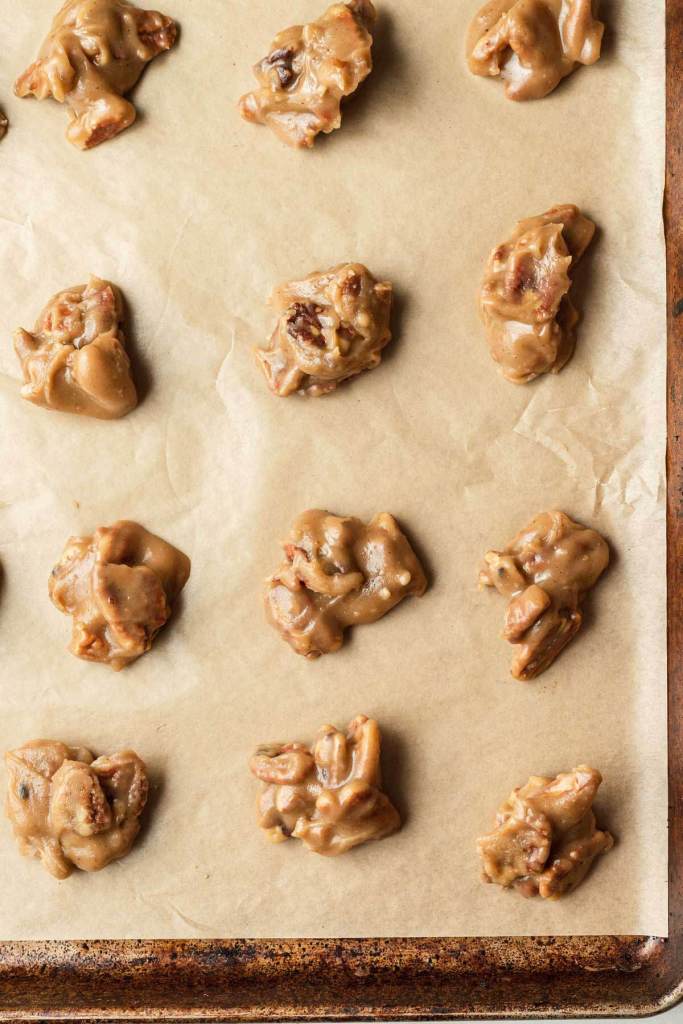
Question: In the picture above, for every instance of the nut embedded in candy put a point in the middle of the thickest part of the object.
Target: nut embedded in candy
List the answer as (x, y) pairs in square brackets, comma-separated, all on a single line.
[(70, 810), (524, 303), (329, 796), (545, 572), (309, 70), (3, 125), (545, 838), (533, 44), (75, 360), (119, 586), (339, 572), (95, 52), (331, 326)]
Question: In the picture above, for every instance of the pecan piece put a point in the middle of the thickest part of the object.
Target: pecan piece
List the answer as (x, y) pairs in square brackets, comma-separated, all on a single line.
[(303, 324), (282, 61)]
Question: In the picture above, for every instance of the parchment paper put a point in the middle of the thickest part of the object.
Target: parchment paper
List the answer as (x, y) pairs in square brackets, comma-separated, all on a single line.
[(196, 215)]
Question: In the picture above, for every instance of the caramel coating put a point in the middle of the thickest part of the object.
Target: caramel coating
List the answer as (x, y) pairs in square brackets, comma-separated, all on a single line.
[(95, 52), (545, 572), (545, 838), (309, 70), (75, 360), (533, 44), (331, 326), (339, 572), (529, 318), (330, 795), (69, 810), (119, 586)]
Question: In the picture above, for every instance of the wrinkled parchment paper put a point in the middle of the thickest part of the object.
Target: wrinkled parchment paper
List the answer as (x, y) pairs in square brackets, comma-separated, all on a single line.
[(196, 215)]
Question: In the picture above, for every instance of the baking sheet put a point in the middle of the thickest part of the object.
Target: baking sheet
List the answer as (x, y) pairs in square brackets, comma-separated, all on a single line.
[(196, 215)]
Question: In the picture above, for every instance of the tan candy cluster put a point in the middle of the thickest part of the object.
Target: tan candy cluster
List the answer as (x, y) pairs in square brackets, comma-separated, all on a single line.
[(533, 44), (339, 572), (529, 318), (309, 70), (331, 326), (70, 810), (545, 572), (329, 796), (95, 52), (119, 586), (75, 360), (545, 838)]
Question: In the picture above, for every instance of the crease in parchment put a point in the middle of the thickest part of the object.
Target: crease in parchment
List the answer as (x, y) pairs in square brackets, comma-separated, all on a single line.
[(23, 225), (163, 903), (166, 284), (243, 328)]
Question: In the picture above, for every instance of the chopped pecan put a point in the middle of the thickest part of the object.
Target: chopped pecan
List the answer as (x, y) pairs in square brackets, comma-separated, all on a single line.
[(282, 60), (303, 323), (352, 285)]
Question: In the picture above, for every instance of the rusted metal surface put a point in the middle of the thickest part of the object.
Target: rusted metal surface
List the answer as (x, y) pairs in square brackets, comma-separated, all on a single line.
[(388, 979), (326, 979)]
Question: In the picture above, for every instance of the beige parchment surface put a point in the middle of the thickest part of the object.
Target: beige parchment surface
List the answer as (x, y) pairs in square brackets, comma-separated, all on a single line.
[(196, 215)]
